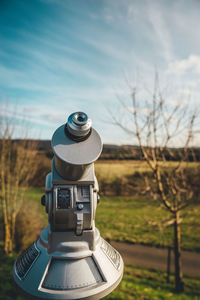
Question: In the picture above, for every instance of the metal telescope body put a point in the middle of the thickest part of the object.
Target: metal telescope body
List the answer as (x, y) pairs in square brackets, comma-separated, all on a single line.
[(70, 260)]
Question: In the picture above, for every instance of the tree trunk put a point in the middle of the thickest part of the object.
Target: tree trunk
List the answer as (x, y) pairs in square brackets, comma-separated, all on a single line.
[(179, 285), (168, 264), (8, 242)]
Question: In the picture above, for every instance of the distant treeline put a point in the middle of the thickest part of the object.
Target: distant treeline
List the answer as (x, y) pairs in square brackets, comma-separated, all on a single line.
[(124, 152), (120, 184)]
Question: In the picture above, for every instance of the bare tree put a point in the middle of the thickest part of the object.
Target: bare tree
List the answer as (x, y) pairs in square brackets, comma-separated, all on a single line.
[(159, 127), (17, 165)]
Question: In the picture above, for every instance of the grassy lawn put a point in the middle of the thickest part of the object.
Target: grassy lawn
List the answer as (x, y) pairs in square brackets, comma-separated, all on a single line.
[(35, 196), (110, 169), (137, 220), (132, 219), (137, 283), (7, 290)]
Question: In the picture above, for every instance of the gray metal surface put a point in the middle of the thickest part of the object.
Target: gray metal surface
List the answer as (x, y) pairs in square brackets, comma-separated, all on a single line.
[(65, 271), (70, 260), (73, 158), (78, 125), (74, 272)]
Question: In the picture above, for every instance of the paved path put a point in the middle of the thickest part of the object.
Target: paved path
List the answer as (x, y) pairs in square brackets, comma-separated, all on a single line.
[(151, 257)]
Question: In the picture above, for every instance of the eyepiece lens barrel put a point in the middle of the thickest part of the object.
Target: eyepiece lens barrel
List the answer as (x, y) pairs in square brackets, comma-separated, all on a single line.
[(80, 118), (78, 126)]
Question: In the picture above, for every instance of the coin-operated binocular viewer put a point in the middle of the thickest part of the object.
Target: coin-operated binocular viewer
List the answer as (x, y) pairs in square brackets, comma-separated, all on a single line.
[(70, 260)]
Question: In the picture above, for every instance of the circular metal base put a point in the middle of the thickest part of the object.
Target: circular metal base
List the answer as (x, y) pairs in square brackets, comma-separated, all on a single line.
[(75, 272)]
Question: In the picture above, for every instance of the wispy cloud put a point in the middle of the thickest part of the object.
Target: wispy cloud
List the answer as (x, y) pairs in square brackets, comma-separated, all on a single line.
[(157, 19), (71, 55), (180, 67)]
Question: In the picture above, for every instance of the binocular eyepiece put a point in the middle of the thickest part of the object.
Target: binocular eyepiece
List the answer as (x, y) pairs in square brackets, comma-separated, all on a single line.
[(70, 260), (76, 145), (78, 126)]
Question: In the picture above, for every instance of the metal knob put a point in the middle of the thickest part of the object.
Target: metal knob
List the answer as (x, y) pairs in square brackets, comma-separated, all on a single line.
[(78, 126), (43, 200)]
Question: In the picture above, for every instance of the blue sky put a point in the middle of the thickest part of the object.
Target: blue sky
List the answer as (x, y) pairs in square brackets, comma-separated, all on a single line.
[(61, 56)]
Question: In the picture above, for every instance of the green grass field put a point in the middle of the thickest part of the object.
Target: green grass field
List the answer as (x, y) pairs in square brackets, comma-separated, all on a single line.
[(132, 219), (142, 284), (111, 169), (140, 220), (137, 220)]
